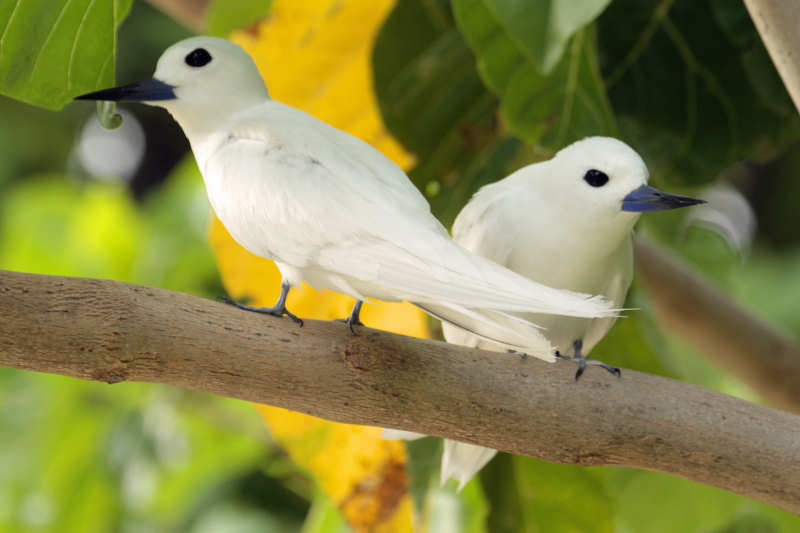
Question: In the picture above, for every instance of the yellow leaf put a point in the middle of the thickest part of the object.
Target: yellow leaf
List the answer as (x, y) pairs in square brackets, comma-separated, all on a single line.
[(315, 55)]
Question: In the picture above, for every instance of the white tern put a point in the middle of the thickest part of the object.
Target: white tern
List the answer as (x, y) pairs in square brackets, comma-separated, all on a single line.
[(331, 210), (566, 222)]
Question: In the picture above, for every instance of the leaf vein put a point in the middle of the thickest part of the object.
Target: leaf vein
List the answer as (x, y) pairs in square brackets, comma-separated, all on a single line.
[(49, 36), (8, 25), (75, 43)]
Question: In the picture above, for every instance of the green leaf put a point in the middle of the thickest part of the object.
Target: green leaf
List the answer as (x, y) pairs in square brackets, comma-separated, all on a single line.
[(554, 108), (527, 495), (324, 516), (53, 50), (692, 86), (542, 29), (225, 16), (645, 495), (435, 103)]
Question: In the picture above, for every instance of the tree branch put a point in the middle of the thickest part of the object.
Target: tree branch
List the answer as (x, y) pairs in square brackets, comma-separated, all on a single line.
[(112, 331), (777, 22), (190, 13), (764, 358)]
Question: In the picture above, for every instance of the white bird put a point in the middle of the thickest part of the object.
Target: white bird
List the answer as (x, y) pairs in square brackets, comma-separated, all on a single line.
[(328, 208), (566, 222)]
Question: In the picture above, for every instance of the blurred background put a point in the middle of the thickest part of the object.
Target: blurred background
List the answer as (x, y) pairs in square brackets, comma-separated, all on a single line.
[(688, 84)]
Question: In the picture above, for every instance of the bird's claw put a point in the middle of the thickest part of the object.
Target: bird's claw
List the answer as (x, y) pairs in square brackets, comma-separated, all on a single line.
[(278, 311), (354, 319), (522, 355), (583, 362), (350, 323)]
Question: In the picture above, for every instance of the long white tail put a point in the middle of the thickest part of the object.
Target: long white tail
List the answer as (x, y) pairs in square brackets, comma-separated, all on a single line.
[(461, 461)]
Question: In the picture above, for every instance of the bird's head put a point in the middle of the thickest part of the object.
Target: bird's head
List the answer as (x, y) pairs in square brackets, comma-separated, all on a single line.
[(601, 179), (196, 76)]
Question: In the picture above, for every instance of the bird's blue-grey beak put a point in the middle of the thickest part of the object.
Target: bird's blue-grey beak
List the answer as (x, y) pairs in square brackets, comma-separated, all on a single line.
[(647, 198), (146, 91)]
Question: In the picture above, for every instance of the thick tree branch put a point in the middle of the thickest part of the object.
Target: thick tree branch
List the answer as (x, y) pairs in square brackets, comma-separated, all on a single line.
[(764, 358), (111, 331), (777, 22)]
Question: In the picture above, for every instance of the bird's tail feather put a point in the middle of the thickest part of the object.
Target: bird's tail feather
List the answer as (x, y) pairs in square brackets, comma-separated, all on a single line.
[(453, 275), (461, 461), (507, 331), (400, 434)]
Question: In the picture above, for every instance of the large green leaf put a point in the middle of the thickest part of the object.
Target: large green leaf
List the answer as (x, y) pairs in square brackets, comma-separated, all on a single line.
[(554, 107), (436, 104), (53, 50), (541, 29), (527, 495), (692, 85)]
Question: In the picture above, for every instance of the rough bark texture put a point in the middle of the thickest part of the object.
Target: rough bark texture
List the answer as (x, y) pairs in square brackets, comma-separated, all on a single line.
[(764, 358), (778, 22), (111, 331)]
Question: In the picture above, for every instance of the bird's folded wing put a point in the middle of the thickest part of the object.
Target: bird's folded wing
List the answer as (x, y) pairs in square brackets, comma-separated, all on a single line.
[(319, 197)]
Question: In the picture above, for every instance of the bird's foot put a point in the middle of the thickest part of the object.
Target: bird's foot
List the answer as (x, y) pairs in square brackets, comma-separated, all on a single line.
[(354, 319), (351, 323), (275, 310), (583, 361), (522, 355)]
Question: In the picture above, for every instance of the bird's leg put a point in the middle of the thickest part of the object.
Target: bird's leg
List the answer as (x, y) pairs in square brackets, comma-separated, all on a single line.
[(279, 309), (522, 355), (583, 361), (354, 318)]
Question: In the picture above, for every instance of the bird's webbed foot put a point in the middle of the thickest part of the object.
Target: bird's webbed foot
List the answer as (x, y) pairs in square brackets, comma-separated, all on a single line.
[(583, 361), (522, 355), (279, 309), (354, 319)]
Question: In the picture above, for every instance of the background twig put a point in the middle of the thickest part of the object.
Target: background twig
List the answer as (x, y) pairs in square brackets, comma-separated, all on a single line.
[(190, 13), (764, 358)]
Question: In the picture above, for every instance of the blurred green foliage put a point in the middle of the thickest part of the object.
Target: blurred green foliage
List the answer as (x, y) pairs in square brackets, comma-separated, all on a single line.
[(475, 88), (224, 16)]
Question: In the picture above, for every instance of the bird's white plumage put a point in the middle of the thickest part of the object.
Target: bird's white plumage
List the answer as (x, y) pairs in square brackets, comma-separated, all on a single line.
[(546, 223), (331, 210)]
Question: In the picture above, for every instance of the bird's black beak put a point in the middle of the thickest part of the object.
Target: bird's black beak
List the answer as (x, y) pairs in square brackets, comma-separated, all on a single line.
[(146, 91), (647, 198)]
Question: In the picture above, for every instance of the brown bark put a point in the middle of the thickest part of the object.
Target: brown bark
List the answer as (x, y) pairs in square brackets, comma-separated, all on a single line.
[(111, 331)]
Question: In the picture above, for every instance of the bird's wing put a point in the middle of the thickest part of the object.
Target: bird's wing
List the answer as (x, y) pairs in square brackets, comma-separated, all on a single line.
[(322, 198), (301, 186), (484, 226), (356, 167)]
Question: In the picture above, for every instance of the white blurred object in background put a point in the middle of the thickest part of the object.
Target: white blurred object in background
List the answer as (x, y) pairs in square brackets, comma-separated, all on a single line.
[(727, 213), (111, 154)]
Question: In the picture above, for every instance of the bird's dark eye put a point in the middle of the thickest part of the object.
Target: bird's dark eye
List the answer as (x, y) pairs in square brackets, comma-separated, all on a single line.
[(595, 178), (198, 57)]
